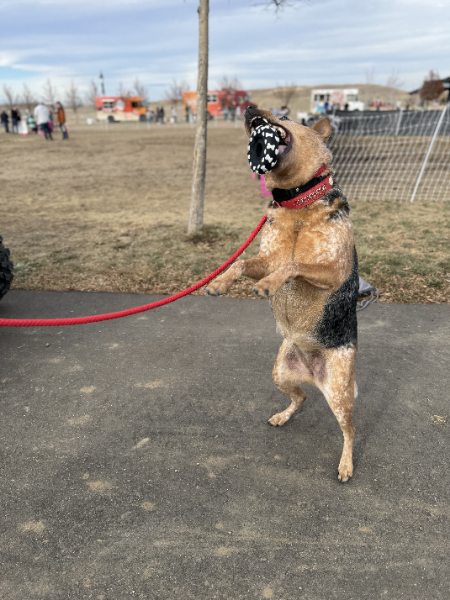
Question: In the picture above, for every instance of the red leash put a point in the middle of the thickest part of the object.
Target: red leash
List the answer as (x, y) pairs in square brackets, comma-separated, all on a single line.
[(131, 311)]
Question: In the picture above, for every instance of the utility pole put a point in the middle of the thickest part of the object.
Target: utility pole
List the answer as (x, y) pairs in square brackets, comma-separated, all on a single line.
[(102, 80), (198, 183)]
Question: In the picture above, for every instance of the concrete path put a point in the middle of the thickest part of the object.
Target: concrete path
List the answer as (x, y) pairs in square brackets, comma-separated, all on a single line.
[(136, 459)]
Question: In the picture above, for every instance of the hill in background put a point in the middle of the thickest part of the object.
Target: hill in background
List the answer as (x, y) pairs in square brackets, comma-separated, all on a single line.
[(270, 97), (300, 102)]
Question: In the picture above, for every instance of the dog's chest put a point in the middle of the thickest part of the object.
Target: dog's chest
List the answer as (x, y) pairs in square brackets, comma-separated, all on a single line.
[(279, 238), (304, 236), (290, 236)]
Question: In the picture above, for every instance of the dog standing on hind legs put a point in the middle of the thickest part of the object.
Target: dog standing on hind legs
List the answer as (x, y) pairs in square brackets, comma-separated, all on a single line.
[(307, 266)]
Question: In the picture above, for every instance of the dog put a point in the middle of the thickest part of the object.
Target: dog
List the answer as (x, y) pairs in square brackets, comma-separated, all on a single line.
[(308, 267)]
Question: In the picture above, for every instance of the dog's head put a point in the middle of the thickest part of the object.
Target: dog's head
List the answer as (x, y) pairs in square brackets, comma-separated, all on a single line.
[(301, 151)]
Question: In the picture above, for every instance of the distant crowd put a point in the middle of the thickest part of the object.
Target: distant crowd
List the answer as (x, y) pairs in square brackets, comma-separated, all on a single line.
[(42, 120), (230, 113), (284, 111), (159, 116)]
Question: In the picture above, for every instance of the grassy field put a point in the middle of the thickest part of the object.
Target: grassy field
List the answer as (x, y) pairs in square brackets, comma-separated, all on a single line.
[(107, 211)]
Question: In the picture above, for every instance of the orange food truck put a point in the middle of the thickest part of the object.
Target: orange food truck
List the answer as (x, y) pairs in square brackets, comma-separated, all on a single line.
[(120, 108), (218, 100)]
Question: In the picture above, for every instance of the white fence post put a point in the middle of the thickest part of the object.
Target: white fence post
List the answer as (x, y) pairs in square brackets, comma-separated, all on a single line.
[(430, 147)]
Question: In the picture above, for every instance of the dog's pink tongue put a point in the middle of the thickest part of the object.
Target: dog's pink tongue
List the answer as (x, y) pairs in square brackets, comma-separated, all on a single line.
[(281, 149)]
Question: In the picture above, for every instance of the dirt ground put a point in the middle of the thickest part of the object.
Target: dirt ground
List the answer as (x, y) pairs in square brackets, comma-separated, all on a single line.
[(108, 210)]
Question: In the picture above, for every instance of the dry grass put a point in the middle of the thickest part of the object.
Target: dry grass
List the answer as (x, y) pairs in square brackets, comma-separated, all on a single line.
[(405, 249), (107, 211)]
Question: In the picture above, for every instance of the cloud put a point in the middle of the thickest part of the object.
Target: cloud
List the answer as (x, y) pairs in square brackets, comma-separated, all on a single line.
[(316, 42)]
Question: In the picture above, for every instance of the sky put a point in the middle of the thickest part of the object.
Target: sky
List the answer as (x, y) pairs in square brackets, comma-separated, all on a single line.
[(312, 42)]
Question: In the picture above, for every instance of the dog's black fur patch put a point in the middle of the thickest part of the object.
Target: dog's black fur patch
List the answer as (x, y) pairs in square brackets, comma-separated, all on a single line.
[(342, 206), (338, 325), (340, 213), (333, 195)]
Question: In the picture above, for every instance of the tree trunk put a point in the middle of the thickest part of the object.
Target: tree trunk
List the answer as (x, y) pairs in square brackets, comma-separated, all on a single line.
[(198, 184)]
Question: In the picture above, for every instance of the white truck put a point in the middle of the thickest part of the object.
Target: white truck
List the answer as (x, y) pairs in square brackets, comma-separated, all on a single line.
[(338, 98)]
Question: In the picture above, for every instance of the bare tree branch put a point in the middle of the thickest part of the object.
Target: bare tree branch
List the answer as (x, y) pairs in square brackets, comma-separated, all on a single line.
[(370, 76), (92, 93), (175, 91), (141, 90), (122, 91), (394, 80), (28, 98), (279, 4), (230, 85), (49, 94), (11, 97), (73, 98), (432, 87), (285, 93)]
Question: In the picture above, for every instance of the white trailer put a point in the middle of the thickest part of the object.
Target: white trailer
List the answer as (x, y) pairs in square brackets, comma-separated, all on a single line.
[(338, 98)]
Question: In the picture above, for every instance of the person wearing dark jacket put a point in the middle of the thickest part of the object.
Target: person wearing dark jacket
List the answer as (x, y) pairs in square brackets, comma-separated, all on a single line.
[(61, 118), (5, 121), (15, 118)]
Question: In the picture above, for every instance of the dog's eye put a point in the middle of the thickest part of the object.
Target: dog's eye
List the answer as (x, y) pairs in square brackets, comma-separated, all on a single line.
[(285, 118)]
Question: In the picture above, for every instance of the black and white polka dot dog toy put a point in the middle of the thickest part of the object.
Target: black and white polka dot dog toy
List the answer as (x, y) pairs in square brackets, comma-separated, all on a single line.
[(263, 149)]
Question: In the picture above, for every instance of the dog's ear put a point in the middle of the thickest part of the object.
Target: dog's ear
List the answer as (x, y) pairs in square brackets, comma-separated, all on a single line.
[(323, 127)]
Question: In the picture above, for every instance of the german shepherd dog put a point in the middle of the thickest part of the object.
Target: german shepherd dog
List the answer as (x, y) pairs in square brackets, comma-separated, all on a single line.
[(307, 266)]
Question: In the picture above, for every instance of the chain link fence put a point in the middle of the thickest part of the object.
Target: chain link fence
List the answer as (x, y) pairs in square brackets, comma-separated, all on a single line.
[(401, 156)]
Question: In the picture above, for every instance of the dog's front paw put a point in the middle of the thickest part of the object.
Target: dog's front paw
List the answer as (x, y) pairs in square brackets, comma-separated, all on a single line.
[(265, 287), (345, 471), (216, 288)]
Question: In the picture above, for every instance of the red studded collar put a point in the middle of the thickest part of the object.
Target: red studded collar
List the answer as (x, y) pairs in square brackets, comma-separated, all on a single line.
[(301, 196)]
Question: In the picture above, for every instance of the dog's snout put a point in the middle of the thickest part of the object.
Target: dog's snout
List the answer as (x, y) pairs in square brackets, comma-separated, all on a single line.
[(250, 113)]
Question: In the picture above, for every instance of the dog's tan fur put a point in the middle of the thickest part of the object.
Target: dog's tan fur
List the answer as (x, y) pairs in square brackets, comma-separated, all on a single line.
[(306, 255)]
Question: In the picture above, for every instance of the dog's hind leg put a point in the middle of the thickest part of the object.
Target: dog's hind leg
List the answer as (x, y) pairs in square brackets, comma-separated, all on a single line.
[(287, 377), (339, 389)]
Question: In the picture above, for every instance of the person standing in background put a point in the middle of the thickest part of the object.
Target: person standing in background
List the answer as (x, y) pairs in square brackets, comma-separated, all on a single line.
[(15, 118), (174, 115), (5, 121), (42, 115), (31, 122), (61, 118), (50, 118)]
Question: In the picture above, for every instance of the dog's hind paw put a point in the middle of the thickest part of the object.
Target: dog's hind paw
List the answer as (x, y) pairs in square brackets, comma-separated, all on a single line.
[(263, 291), (267, 286), (280, 418)]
